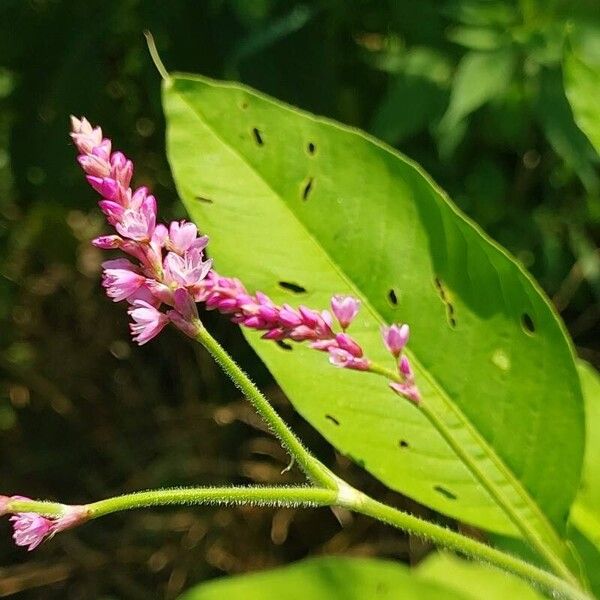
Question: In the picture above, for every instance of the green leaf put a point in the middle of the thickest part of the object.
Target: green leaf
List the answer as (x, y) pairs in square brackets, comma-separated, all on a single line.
[(585, 513), (409, 106), (480, 77), (439, 578), (474, 580), (478, 38), (584, 521), (555, 116), (287, 197), (582, 86)]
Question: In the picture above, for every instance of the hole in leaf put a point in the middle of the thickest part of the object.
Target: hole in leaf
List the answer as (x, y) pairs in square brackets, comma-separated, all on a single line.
[(292, 287), (204, 199), (403, 444), (393, 298), (527, 323), (311, 148), (307, 188), (332, 419), (441, 290), (258, 137), (243, 105), (444, 492), (283, 345)]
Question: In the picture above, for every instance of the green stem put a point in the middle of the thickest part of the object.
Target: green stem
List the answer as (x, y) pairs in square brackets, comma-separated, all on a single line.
[(529, 533), (316, 471), (260, 496), (345, 496), (465, 545)]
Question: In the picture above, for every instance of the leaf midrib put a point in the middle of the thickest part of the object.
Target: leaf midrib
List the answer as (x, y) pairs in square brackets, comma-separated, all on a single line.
[(497, 461)]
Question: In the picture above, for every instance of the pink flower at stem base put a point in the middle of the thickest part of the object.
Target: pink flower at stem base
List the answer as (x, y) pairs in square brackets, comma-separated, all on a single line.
[(31, 529)]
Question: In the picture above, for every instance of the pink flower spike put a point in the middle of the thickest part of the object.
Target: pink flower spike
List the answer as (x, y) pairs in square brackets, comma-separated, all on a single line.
[(395, 337), (345, 309), (343, 359), (148, 322)]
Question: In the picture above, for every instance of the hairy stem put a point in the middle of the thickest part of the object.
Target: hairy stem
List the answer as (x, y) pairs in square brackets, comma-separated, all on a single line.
[(315, 470), (345, 496)]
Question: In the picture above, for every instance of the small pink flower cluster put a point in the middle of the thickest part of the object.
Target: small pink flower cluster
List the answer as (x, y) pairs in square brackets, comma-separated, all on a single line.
[(171, 270), (229, 296), (395, 338), (31, 529)]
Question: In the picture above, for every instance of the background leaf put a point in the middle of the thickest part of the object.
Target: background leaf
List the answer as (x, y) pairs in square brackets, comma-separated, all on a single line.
[(582, 86), (474, 580), (439, 577), (556, 119), (480, 77), (309, 202)]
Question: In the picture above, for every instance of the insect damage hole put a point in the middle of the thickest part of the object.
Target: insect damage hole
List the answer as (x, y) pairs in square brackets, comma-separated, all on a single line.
[(308, 186), (332, 419), (441, 290), (444, 492), (527, 323), (258, 136), (311, 148), (292, 287), (204, 199), (393, 297), (283, 345), (243, 105), (403, 444)]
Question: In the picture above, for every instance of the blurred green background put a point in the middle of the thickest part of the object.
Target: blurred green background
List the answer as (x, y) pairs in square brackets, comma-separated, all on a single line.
[(471, 89)]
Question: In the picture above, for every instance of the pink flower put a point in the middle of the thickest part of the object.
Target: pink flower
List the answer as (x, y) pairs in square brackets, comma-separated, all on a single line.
[(121, 169), (343, 359), (139, 224), (85, 137), (148, 322), (407, 390), (395, 337), (185, 314), (107, 187), (30, 529), (187, 270), (345, 309), (346, 343), (121, 279), (405, 368), (93, 165), (183, 236)]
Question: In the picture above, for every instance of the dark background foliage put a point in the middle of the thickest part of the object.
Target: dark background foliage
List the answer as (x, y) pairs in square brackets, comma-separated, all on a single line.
[(85, 414)]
